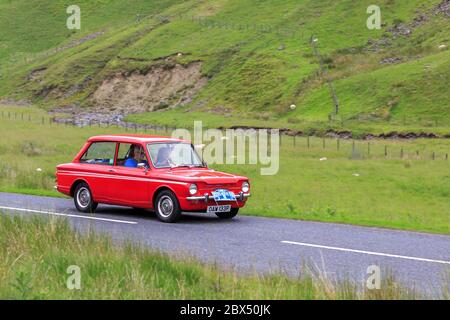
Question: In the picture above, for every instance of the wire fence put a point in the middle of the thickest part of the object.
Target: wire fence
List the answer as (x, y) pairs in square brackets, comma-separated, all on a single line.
[(364, 149), (423, 122), (352, 148)]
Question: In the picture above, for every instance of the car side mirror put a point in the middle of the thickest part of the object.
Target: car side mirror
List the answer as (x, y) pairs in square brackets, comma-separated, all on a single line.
[(141, 165)]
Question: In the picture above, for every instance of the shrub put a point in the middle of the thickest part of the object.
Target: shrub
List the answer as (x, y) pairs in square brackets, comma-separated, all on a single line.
[(30, 149)]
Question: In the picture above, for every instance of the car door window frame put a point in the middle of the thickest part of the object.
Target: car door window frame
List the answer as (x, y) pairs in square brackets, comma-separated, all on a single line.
[(101, 164), (131, 143)]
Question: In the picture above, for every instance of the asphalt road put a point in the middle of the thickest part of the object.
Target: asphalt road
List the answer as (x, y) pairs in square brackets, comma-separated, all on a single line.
[(265, 245)]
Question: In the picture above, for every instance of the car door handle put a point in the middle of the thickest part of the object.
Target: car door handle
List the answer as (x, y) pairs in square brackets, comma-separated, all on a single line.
[(112, 170)]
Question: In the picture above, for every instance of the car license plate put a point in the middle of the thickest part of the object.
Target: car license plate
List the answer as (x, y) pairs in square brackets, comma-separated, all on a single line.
[(223, 195), (225, 208)]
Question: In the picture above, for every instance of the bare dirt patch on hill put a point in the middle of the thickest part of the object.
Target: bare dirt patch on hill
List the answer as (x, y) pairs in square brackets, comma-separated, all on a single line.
[(162, 86)]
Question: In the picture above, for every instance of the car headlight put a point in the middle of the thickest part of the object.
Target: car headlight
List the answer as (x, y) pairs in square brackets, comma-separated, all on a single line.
[(193, 189), (245, 187)]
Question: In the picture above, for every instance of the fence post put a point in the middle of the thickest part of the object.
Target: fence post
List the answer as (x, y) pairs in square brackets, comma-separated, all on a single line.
[(401, 152), (323, 143), (307, 140), (385, 151), (353, 146), (338, 144), (368, 148), (433, 156)]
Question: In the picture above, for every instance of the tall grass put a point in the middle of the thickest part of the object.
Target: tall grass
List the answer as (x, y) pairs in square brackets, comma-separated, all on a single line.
[(35, 254)]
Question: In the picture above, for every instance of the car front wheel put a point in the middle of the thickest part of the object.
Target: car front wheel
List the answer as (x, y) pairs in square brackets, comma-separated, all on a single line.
[(167, 207), (84, 202), (228, 215)]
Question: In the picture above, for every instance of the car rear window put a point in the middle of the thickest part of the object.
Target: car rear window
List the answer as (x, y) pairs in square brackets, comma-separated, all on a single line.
[(100, 153)]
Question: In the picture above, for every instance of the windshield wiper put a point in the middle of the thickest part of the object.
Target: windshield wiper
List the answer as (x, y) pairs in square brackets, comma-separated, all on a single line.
[(188, 166), (181, 166)]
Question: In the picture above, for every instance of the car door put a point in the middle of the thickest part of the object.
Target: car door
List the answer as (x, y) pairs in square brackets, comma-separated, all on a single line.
[(95, 168), (130, 184)]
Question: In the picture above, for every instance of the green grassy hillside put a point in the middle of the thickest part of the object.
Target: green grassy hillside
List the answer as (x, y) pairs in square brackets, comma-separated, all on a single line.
[(256, 56)]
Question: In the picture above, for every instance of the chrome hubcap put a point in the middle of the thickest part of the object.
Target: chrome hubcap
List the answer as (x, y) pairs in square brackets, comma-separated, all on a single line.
[(83, 197), (165, 206)]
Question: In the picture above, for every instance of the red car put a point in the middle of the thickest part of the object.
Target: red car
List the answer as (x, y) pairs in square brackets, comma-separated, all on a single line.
[(158, 173)]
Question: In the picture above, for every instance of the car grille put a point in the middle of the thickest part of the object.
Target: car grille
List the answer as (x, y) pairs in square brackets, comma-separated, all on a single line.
[(215, 186), (228, 186)]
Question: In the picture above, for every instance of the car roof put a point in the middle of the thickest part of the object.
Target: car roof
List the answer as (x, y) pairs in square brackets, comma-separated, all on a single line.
[(134, 138)]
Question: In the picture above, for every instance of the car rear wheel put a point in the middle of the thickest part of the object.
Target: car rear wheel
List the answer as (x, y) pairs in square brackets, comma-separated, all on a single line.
[(228, 215), (84, 202), (167, 207)]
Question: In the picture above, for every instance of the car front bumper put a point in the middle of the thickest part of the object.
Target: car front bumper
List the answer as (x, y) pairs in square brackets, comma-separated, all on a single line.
[(207, 197)]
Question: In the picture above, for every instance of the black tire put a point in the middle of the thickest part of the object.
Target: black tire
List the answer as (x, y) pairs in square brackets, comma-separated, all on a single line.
[(228, 215), (167, 207), (83, 200)]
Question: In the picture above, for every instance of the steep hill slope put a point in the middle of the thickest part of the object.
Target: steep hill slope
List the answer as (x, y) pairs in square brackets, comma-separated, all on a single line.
[(254, 59)]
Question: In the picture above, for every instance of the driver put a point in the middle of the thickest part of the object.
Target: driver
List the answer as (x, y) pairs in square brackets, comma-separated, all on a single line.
[(136, 156)]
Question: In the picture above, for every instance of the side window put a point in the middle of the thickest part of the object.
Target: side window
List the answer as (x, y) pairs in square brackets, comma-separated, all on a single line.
[(130, 155), (124, 152), (100, 153)]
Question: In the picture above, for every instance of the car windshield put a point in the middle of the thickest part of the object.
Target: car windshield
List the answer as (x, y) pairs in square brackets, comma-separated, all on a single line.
[(173, 154)]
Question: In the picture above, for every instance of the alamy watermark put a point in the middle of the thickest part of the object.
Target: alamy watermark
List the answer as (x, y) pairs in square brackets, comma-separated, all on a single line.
[(74, 20), (374, 279), (236, 146), (374, 20), (210, 23), (74, 280)]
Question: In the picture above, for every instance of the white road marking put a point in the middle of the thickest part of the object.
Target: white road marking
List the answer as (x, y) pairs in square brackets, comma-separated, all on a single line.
[(68, 215), (365, 252)]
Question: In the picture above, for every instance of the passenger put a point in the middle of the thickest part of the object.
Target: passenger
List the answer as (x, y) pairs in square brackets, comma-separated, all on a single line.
[(162, 160)]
